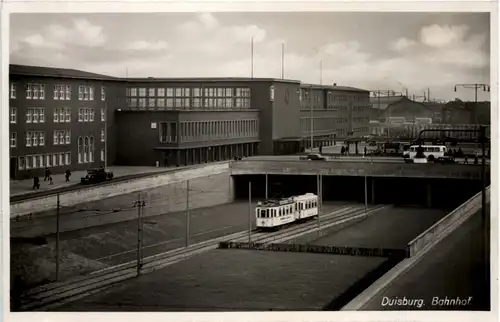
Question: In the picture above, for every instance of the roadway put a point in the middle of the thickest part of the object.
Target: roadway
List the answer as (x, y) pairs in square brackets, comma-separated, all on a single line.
[(351, 158), (96, 247), (250, 280), (454, 267)]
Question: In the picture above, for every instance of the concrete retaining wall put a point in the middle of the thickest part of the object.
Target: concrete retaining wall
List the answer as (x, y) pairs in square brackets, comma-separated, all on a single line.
[(443, 227), (90, 194), (376, 169)]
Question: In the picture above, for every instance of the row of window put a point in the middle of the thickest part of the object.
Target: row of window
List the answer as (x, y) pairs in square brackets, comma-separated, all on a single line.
[(61, 115), (86, 149), (361, 129), (320, 123), (361, 119), (205, 130), (40, 161), (37, 138), (61, 92), (187, 92), (305, 95), (183, 103)]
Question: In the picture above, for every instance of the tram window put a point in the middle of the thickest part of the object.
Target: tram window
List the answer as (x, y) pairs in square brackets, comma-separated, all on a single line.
[(262, 213)]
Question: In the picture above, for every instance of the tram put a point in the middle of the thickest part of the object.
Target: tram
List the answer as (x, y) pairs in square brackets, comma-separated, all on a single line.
[(273, 214)]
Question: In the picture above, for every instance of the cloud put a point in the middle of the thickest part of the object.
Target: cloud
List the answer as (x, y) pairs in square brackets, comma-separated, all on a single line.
[(437, 56), (403, 44), (442, 36), (146, 46)]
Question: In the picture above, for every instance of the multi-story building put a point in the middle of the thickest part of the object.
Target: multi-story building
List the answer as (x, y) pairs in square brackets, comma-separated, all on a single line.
[(337, 112), (69, 119), (57, 119)]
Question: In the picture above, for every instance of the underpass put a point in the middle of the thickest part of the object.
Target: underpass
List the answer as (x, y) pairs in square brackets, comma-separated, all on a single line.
[(240, 279)]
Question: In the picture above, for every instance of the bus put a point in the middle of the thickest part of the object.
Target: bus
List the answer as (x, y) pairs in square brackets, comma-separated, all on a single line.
[(431, 152)]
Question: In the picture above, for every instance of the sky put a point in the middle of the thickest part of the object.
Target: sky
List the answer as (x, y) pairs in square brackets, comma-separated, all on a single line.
[(374, 51)]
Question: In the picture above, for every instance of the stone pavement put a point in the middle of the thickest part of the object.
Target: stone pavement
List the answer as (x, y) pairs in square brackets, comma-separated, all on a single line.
[(21, 187)]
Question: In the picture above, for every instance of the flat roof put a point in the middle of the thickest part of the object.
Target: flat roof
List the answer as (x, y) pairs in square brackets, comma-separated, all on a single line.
[(333, 87), (42, 71)]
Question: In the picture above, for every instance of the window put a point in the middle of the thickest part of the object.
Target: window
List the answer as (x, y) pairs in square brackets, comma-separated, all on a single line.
[(48, 159), (85, 150), (85, 93), (80, 150), (151, 92), (54, 160), (85, 115), (133, 92), (67, 112), (29, 92), (41, 138), (91, 92), (170, 92), (13, 115), (68, 136), (103, 135), (142, 103), (28, 139), (42, 91), (142, 92), (151, 102), (21, 163), (91, 115), (61, 115), (80, 115), (103, 115), (170, 102), (56, 137), (61, 158), (102, 154), (103, 93), (160, 102), (56, 115), (132, 102), (196, 92), (160, 92), (68, 92), (13, 90), (13, 139), (68, 158), (91, 149), (40, 161)]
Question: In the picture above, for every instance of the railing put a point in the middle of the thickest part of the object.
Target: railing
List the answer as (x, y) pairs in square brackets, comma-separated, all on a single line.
[(442, 227)]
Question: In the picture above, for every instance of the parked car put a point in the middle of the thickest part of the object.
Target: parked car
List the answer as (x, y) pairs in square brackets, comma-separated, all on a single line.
[(96, 176), (315, 156)]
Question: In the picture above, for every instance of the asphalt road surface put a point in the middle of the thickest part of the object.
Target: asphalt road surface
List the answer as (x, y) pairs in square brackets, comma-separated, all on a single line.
[(97, 247), (393, 227), (252, 280), (453, 268)]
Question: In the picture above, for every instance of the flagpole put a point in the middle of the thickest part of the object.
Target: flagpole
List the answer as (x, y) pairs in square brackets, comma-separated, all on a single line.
[(251, 48), (283, 61)]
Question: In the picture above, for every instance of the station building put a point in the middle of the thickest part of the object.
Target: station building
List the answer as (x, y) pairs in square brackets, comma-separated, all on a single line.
[(70, 119)]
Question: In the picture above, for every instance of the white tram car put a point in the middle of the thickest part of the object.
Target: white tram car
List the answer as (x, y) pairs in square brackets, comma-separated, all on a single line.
[(274, 213)]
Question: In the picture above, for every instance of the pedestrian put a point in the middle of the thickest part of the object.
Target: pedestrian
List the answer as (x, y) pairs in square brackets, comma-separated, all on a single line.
[(67, 175), (342, 150), (466, 161), (365, 150), (36, 183), (50, 180), (47, 174)]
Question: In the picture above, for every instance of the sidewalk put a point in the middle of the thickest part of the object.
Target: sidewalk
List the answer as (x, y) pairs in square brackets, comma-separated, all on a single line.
[(22, 187), (453, 268)]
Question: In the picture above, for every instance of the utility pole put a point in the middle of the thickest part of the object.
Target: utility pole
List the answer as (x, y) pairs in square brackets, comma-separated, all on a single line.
[(321, 72), (187, 213), (311, 116), (249, 211), (267, 184), (283, 61), (58, 253), (139, 204), (484, 87), (105, 133), (366, 194)]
